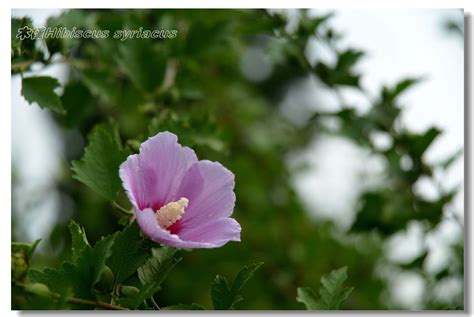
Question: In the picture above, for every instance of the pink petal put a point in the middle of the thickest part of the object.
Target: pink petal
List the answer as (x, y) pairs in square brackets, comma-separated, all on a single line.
[(152, 177), (209, 187), (216, 231), (219, 232)]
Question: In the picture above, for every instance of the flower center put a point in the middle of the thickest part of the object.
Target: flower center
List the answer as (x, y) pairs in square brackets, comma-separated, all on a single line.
[(171, 212)]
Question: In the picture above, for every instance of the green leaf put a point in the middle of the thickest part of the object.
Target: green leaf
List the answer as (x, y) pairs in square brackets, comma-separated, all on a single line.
[(222, 298), (56, 283), (158, 266), (244, 275), (447, 162), (331, 293), (225, 297), (308, 297), (79, 239), (99, 167), (151, 275), (24, 51), (67, 19), (389, 94), (82, 273), (309, 25), (143, 62), (417, 263), (51, 277), (78, 102), (341, 73), (101, 84), (40, 89), (100, 254), (418, 143), (129, 252), (19, 34), (347, 59), (85, 271)]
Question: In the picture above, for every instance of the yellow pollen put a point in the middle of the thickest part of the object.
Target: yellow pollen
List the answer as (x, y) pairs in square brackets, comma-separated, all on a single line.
[(171, 212)]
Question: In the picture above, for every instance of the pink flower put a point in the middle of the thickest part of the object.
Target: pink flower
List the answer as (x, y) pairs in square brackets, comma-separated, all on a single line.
[(178, 200)]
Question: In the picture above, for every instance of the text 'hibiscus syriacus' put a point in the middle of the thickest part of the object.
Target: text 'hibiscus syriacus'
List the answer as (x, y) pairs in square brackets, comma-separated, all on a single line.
[(178, 200)]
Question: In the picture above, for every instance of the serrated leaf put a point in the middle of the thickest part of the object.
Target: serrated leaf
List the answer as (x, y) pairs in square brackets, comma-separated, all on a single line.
[(331, 293), (50, 277), (56, 283), (158, 266), (151, 275), (308, 297), (79, 275), (129, 252), (86, 270), (100, 254), (225, 297), (79, 239), (40, 89), (221, 295), (244, 275), (99, 167)]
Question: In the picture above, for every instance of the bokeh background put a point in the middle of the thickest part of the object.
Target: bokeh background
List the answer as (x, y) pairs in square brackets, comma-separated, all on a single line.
[(322, 173)]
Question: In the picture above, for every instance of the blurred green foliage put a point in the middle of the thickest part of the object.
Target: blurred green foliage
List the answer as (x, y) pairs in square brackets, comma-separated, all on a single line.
[(331, 293), (192, 85)]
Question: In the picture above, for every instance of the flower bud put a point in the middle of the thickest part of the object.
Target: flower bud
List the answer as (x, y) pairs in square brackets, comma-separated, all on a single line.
[(19, 266), (106, 280), (38, 289), (129, 291)]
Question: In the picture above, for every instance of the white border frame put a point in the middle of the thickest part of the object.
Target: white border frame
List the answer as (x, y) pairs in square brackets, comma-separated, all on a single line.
[(5, 127)]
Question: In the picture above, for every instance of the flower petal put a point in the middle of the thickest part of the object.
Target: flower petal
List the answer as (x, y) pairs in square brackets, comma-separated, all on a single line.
[(224, 231), (209, 187), (153, 176), (216, 231)]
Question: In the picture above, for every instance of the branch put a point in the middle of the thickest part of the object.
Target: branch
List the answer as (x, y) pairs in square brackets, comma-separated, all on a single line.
[(74, 300)]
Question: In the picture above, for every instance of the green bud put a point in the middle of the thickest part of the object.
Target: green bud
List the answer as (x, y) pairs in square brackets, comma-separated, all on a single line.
[(38, 289), (106, 280), (19, 266), (129, 291)]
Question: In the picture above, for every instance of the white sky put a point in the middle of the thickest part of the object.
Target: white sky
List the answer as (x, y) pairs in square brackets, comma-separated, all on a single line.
[(399, 43)]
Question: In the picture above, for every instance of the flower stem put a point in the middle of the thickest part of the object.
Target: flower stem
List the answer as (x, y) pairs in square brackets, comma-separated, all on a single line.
[(154, 303), (74, 300), (122, 209)]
